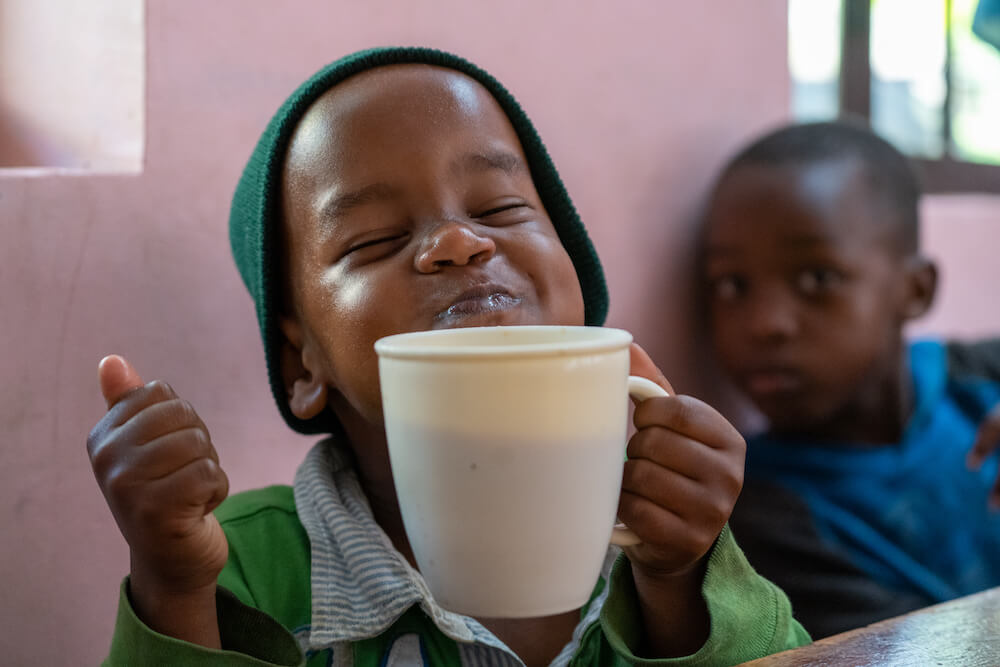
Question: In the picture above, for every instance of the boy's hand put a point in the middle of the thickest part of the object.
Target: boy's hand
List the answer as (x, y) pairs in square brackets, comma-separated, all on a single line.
[(682, 478), (160, 474), (987, 442)]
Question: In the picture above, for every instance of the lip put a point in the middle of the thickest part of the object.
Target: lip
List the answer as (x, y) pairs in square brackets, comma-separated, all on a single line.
[(483, 299), (772, 381)]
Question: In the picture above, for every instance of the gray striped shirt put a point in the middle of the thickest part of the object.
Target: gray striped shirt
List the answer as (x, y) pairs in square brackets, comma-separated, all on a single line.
[(361, 584)]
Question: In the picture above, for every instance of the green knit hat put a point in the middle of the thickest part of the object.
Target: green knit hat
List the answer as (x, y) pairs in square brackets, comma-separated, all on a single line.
[(255, 216)]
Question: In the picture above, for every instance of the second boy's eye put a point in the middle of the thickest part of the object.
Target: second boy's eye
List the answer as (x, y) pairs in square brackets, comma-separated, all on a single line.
[(818, 281), (728, 288)]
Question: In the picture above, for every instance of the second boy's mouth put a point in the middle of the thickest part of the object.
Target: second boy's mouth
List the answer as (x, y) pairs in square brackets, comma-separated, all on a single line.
[(479, 300), (767, 382)]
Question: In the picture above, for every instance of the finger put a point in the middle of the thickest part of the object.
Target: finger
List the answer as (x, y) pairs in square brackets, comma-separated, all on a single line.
[(158, 419), (640, 364), (105, 439), (675, 492), (195, 489), (155, 459), (649, 520), (987, 439), (139, 399), (685, 456), (661, 528), (117, 377), (690, 417)]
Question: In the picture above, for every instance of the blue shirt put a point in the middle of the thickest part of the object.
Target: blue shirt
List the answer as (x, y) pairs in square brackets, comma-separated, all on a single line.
[(912, 516)]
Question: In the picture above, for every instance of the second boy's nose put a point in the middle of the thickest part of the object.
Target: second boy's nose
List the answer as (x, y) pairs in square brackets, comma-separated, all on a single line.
[(453, 243), (772, 317)]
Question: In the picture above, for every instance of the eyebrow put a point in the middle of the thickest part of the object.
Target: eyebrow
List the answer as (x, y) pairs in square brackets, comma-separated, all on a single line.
[(504, 161), (335, 205)]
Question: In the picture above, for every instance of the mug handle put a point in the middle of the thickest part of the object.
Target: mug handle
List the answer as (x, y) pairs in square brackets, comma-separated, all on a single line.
[(640, 388)]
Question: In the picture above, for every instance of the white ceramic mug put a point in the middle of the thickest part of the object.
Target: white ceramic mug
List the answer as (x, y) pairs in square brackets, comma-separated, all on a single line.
[(507, 446)]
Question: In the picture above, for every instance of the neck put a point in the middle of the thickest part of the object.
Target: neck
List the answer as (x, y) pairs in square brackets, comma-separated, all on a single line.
[(883, 408), (536, 640), (876, 416), (371, 462)]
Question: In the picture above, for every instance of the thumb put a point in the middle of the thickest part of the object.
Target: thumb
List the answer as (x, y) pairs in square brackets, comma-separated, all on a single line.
[(643, 366), (117, 378)]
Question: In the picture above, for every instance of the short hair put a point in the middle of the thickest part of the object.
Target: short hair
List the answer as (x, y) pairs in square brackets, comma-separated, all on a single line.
[(889, 174)]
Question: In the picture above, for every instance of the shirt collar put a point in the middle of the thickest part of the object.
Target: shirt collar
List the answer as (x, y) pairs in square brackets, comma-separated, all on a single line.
[(360, 583)]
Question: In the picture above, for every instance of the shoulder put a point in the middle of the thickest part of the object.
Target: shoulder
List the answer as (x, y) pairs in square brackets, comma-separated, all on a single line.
[(929, 359), (268, 566), (976, 359), (261, 525), (765, 507), (829, 593), (270, 502), (960, 359)]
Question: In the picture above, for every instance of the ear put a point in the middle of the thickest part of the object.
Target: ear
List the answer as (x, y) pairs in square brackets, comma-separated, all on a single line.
[(301, 372), (921, 285)]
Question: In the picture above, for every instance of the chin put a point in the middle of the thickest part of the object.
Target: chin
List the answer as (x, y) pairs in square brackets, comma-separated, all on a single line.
[(785, 415), (794, 421)]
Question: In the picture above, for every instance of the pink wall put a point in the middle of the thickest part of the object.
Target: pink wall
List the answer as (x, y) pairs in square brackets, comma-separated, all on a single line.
[(962, 233), (638, 102), (72, 93)]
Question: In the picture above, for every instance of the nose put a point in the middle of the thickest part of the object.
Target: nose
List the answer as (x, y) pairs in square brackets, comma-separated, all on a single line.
[(772, 316), (453, 243)]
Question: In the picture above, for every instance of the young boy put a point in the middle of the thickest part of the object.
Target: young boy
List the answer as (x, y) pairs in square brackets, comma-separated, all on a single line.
[(401, 190), (858, 499)]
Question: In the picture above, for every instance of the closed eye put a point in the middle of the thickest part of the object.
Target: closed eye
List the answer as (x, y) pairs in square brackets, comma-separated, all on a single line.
[(376, 243), (506, 213), (500, 209)]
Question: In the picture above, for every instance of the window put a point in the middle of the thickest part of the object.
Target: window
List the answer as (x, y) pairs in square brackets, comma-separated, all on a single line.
[(924, 73)]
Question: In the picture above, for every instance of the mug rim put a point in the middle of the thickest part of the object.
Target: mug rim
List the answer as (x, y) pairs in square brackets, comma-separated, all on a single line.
[(409, 345)]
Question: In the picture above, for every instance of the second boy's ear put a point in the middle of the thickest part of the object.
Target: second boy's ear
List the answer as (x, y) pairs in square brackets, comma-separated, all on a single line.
[(921, 286), (305, 384)]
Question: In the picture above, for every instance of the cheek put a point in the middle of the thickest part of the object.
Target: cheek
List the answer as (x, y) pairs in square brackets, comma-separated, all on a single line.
[(556, 280), (567, 297), (354, 377), (351, 296), (350, 303), (345, 319), (574, 312), (724, 326), (716, 322), (870, 311), (726, 349)]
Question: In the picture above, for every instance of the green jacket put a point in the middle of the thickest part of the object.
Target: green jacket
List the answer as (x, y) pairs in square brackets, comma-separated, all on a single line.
[(264, 602)]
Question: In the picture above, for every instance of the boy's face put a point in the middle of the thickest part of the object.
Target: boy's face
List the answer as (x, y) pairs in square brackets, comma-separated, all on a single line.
[(806, 289), (408, 205)]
